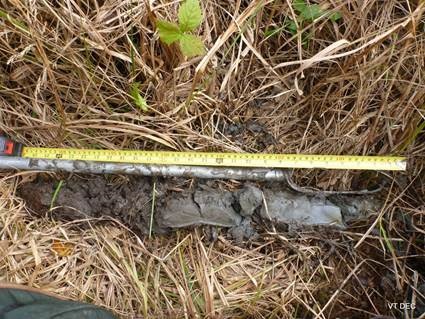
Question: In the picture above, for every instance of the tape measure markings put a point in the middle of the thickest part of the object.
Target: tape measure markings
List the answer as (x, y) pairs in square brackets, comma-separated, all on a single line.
[(259, 160)]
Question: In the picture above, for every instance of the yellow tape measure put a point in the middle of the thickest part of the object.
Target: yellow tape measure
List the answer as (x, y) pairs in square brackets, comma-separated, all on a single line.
[(391, 163)]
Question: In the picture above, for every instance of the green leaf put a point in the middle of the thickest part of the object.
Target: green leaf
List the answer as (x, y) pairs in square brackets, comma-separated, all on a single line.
[(168, 32), (299, 5), (138, 100), (292, 27), (191, 45), (335, 16), (311, 12), (190, 15), (18, 24)]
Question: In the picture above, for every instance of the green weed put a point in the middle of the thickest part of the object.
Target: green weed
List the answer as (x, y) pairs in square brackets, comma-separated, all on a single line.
[(190, 17), (384, 235), (306, 13), (15, 22), (55, 194), (420, 128), (138, 99), (152, 209), (411, 140)]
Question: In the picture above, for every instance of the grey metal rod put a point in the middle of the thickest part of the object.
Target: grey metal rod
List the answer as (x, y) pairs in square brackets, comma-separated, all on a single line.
[(257, 174)]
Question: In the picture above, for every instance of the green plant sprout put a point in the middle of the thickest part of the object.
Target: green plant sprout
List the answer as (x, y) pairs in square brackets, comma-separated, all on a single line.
[(138, 100), (305, 13), (15, 22), (56, 194), (190, 17)]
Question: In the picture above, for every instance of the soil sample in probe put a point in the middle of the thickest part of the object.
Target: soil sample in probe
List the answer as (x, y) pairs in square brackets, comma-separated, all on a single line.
[(130, 202)]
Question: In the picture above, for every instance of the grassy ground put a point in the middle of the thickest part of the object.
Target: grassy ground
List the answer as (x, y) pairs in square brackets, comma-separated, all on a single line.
[(351, 86)]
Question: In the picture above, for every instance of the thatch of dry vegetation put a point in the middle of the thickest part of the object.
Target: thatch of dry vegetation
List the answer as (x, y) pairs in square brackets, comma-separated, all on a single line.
[(352, 85)]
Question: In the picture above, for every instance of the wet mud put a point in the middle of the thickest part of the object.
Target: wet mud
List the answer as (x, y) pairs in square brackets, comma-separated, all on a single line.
[(142, 203)]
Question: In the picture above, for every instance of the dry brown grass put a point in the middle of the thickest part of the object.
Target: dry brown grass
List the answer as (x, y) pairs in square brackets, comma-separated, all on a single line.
[(310, 274), (65, 72)]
